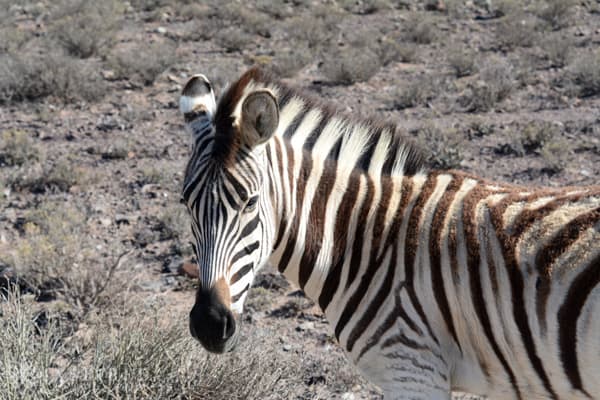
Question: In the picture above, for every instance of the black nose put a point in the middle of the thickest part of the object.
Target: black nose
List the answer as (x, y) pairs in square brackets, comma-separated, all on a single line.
[(212, 323)]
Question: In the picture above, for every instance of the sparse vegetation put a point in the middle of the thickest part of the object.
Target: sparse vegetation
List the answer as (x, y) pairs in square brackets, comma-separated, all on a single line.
[(420, 28), (516, 30), (144, 64), (557, 50), (556, 13), (415, 93), (86, 28), (17, 148), (130, 356), (31, 76), (443, 146), (92, 154), (351, 65), (394, 49), (462, 61), (586, 74), (495, 84)]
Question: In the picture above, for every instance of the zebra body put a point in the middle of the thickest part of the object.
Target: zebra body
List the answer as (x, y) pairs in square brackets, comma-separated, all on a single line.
[(432, 281)]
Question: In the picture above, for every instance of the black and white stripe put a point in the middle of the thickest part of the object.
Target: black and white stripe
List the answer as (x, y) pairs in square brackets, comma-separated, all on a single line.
[(432, 280)]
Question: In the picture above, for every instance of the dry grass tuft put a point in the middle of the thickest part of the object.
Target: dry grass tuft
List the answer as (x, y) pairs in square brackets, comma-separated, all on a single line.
[(130, 356), (143, 65), (586, 74), (443, 146), (462, 61), (557, 14), (87, 28), (350, 65), (496, 81), (30, 76), (17, 148)]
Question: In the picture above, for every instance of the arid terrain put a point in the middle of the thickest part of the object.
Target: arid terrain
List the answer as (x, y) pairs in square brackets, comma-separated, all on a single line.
[(94, 244)]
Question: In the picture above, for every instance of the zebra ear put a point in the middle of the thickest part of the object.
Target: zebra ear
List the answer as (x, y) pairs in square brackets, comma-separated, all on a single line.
[(197, 99), (260, 117)]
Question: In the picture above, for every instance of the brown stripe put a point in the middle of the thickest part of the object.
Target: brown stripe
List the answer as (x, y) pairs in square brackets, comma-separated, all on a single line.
[(507, 244), (357, 296), (568, 315), (283, 221), (344, 212), (435, 254), (305, 168), (553, 249), (361, 223), (412, 244), (471, 227), (316, 222), (388, 322), (386, 287)]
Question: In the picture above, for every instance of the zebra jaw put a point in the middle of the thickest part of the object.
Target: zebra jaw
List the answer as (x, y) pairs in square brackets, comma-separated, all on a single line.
[(197, 97)]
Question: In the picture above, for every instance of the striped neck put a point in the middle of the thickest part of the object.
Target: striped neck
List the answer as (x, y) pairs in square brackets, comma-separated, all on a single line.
[(327, 217)]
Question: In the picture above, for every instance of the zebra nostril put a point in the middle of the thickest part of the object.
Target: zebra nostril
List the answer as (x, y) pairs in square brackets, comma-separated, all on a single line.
[(228, 326)]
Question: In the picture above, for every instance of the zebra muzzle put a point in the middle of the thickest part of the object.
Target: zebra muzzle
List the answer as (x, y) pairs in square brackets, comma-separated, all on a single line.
[(212, 323)]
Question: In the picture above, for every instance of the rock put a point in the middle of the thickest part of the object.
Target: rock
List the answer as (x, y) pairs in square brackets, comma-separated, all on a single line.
[(108, 74), (105, 221), (122, 219), (305, 326), (162, 30), (175, 264)]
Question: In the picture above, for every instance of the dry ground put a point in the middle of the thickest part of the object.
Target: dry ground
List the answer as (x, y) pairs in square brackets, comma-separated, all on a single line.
[(92, 152)]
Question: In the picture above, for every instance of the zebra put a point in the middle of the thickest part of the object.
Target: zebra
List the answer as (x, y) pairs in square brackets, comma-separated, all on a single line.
[(433, 281)]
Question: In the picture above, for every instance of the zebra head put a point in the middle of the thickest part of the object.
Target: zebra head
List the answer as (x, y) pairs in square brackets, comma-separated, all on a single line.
[(226, 193)]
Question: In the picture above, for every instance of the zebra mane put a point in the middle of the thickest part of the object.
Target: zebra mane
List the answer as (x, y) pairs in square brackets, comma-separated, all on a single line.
[(363, 143)]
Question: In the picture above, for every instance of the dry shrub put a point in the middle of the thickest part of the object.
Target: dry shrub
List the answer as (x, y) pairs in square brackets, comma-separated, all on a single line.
[(516, 30), (17, 148), (233, 39), (419, 28), (315, 32), (364, 7), (54, 259), (87, 28), (557, 13), (32, 76), (554, 156), (49, 176), (142, 355), (351, 65), (496, 81), (586, 74), (461, 60), (444, 146), (416, 93), (557, 50), (288, 62), (391, 49), (142, 65)]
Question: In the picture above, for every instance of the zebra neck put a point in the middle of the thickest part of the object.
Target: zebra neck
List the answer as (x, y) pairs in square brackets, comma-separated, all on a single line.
[(329, 219)]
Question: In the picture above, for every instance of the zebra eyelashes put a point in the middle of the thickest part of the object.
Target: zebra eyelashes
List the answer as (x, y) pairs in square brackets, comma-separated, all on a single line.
[(251, 204)]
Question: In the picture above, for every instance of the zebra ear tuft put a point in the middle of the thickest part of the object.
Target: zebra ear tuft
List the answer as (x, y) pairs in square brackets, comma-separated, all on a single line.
[(197, 98), (260, 117)]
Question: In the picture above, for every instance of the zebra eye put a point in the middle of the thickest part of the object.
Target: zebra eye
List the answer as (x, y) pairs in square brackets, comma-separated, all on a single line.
[(251, 204)]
